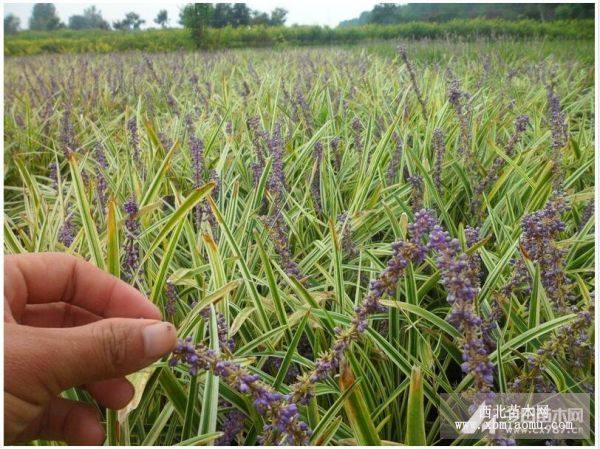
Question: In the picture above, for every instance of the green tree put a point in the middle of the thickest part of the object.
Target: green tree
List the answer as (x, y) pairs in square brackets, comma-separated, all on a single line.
[(278, 17), (196, 17), (388, 13), (240, 15), (162, 18), (574, 11), (384, 13), (132, 21), (44, 18), (11, 24), (259, 18), (221, 15), (90, 19)]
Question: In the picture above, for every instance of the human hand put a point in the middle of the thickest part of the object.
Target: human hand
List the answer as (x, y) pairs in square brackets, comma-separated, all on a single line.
[(67, 324)]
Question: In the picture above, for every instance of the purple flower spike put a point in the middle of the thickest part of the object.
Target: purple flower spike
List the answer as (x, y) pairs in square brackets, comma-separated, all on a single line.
[(172, 300), (357, 128), (521, 123), (131, 261), (395, 160), (541, 230), (232, 426), (282, 419), (403, 253), (53, 174), (315, 186), (278, 232), (413, 78), (134, 141), (348, 245), (337, 155), (439, 147), (66, 234)]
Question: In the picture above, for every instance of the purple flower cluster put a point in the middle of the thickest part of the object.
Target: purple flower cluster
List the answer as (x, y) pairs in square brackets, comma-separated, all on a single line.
[(172, 298), (131, 261), (559, 133), (315, 186), (165, 140), (541, 230), (259, 139), (197, 154), (283, 422), (357, 128), (276, 182), (278, 232), (462, 284), (66, 233), (459, 101), (134, 141), (439, 147), (232, 426), (416, 197), (225, 342), (521, 123), (101, 186), (571, 340), (588, 212), (172, 103), (403, 253), (337, 155), (473, 236), (202, 210), (395, 159), (348, 246), (53, 174), (302, 106), (273, 364), (67, 133), (413, 78)]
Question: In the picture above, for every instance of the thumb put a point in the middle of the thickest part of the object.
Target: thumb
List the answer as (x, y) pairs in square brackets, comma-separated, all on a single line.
[(104, 349)]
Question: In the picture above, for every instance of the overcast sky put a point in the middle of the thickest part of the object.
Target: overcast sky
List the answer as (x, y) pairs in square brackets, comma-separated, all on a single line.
[(306, 12)]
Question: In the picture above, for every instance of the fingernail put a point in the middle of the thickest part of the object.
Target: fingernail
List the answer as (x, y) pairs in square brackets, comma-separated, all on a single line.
[(158, 339)]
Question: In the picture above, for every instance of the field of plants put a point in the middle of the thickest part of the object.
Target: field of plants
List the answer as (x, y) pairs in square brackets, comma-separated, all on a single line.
[(70, 41), (340, 235)]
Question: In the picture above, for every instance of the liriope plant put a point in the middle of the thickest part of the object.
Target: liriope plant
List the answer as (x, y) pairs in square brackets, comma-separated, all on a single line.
[(336, 241)]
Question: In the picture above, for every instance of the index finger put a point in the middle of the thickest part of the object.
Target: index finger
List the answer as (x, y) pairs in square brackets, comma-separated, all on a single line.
[(38, 278)]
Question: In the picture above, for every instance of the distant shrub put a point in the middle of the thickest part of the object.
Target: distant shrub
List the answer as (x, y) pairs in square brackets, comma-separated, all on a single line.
[(71, 41)]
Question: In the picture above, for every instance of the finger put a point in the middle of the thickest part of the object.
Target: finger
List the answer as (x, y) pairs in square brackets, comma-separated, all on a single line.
[(112, 393), (55, 277), (73, 422), (98, 351), (56, 314)]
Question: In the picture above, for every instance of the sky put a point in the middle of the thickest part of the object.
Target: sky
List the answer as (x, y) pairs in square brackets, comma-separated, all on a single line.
[(306, 12)]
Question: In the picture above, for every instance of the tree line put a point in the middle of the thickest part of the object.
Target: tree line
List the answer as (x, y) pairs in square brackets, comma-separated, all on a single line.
[(392, 13), (218, 15)]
